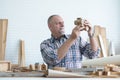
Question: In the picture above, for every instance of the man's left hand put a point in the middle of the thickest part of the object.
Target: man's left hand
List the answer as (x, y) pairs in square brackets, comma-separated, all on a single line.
[(88, 27)]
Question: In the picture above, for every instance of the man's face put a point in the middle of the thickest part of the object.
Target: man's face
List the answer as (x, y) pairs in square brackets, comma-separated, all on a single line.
[(57, 26)]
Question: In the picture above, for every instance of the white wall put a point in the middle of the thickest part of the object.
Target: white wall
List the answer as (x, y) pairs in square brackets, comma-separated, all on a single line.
[(28, 21)]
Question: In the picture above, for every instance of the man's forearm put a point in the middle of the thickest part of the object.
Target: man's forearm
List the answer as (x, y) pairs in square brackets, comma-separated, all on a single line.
[(93, 43)]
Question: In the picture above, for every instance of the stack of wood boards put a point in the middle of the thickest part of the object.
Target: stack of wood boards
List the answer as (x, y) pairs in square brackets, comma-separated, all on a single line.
[(3, 34), (100, 36)]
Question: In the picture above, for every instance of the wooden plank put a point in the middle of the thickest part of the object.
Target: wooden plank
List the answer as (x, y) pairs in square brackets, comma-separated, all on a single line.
[(21, 60), (23, 53), (5, 26), (102, 31), (98, 42), (106, 44), (105, 41), (102, 46), (3, 34), (96, 30), (1, 53), (96, 33)]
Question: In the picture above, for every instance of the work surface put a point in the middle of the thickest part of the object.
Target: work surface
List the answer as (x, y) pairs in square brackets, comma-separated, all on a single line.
[(53, 74), (60, 74)]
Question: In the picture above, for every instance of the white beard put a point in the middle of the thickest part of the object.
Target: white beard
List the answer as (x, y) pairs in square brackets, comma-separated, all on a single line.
[(62, 31)]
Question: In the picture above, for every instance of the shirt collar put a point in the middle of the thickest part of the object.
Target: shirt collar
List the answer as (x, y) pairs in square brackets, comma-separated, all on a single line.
[(53, 38)]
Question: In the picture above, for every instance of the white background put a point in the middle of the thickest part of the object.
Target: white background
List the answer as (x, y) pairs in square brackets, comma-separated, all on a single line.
[(28, 21)]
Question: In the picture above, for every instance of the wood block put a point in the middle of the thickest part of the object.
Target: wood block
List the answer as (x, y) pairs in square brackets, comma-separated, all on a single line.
[(37, 66), (3, 35), (43, 67), (78, 22), (5, 66), (107, 73), (99, 73), (32, 67)]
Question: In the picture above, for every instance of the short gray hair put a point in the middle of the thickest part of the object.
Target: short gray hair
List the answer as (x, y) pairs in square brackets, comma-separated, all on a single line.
[(50, 18)]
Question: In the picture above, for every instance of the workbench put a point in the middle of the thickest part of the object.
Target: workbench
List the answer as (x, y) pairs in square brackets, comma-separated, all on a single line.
[(53, 74), (60, 74)]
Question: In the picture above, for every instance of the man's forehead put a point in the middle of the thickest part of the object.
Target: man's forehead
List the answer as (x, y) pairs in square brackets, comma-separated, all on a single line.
[(57, 19)]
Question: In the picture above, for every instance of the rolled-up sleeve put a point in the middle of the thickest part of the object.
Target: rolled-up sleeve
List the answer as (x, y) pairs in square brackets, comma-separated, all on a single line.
[(87, 51), (49, 54)]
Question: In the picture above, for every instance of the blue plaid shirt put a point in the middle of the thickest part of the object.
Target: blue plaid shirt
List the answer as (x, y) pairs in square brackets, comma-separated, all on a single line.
[(74, 55)]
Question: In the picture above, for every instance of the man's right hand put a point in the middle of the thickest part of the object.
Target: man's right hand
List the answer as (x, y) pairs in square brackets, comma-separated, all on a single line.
[(76, 32)]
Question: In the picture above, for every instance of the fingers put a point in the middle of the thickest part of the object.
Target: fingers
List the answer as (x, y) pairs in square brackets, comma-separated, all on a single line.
[(82, 28), (79, 28), (86, 23)]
